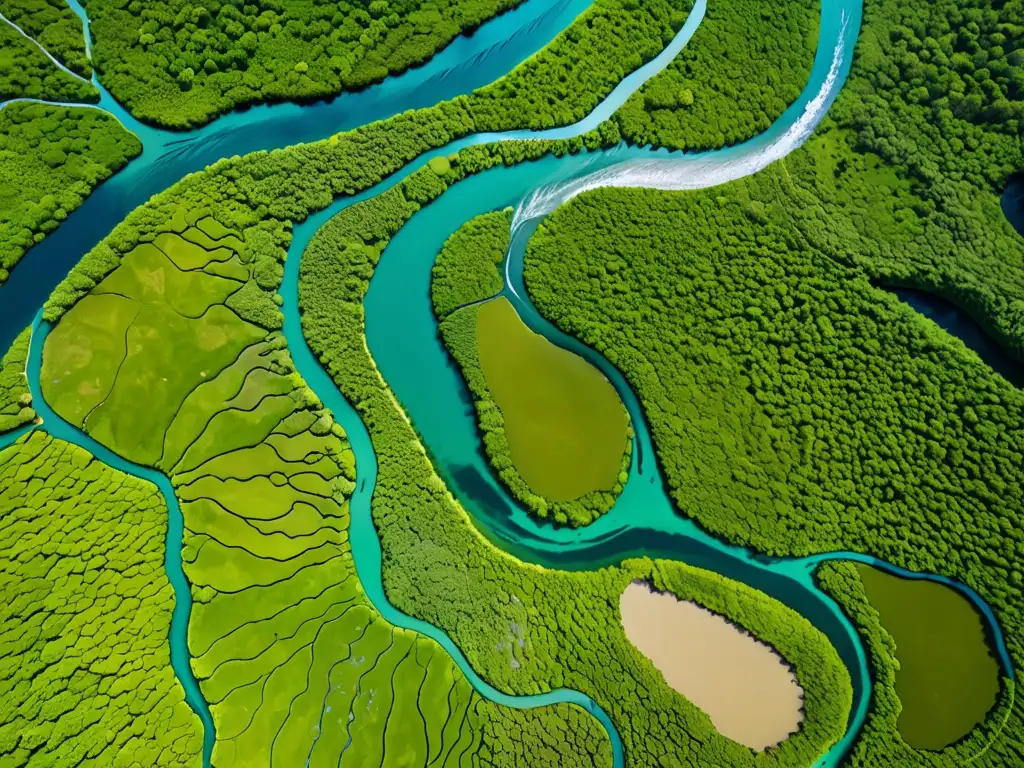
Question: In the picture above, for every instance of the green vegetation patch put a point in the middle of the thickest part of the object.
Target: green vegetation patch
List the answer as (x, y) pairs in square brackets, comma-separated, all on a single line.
[(85, 613), (178, 333), (168, 354), (147, 276), (15, 399), (762, 52), (880, 741), (26, 72), (51, 158), (82, 356), (524, 628), (566, 80), (468, 267), (55, 26), (947, 679), (553, 425), (292, 50), (566, 427)]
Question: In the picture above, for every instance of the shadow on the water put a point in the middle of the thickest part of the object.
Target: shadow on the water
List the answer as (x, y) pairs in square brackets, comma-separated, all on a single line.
[(471, 484), (959, 323), (1013, 202)]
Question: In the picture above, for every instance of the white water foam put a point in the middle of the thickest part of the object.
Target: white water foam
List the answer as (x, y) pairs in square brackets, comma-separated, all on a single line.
[(689, 172)]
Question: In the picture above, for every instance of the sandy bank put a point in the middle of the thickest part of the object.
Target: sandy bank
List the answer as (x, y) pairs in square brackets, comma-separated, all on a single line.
[(743, 685)]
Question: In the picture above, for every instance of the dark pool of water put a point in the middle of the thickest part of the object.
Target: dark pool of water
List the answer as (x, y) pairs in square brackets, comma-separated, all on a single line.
[(960, 324), (1013, 202)]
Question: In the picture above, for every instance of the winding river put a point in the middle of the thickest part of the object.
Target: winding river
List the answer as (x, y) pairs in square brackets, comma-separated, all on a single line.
[(402, 331)]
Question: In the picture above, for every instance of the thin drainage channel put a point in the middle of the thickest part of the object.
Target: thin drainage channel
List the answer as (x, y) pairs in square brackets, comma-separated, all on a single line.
[(365, 545), (366, 548), (59, 428)]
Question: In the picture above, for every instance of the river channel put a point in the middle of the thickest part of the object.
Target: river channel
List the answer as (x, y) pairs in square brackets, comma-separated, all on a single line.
[(402, 332)]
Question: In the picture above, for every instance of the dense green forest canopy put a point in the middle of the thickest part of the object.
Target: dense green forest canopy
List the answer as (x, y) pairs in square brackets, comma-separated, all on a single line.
[(565, 81), (745, 64), (51, 158), (15, 399), (55, 26), (909, 189), (180, 64), (468, 268), (795, 407), (26, 72), (85, 615)]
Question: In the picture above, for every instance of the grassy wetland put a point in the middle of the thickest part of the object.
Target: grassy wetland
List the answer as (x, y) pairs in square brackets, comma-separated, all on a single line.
[(167, 347), (948, 679), (288, 652), (553, 426)]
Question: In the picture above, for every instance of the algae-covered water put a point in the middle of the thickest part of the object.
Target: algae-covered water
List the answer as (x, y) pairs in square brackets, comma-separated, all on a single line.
[(402, 332), (947, 680)]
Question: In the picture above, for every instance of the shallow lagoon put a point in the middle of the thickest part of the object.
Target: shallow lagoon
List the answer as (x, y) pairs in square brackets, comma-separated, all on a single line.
[(565, 426), (742, 684), (947, 680)]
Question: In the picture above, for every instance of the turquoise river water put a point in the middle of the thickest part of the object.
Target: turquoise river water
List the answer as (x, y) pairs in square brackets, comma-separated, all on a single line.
[(402, 331)]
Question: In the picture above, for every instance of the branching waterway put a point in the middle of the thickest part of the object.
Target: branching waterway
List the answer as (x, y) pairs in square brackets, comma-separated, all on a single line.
[(402, 332)]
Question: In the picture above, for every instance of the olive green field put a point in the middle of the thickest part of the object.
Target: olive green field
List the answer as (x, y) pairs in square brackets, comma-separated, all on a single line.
[(948, 679), (566, 427)]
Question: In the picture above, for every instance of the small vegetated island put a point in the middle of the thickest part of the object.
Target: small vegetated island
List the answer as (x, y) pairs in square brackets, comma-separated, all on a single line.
[(795, 406), (51, 156), (552, 425)]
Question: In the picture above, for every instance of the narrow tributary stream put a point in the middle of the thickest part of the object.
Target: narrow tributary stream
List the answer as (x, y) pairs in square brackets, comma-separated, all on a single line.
[(402, 333)]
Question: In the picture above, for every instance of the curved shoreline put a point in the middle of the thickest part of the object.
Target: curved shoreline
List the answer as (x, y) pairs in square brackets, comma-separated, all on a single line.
[(365, 487), (704, 657), (54, 425), (990, 622)]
